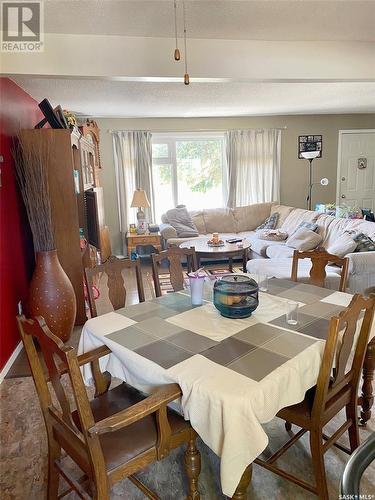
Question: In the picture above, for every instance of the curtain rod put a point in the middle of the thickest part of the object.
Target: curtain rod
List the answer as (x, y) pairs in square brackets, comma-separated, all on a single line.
[(111, 131)]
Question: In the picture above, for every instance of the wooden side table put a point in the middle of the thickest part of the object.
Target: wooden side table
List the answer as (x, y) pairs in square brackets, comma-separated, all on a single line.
[(134, 240)]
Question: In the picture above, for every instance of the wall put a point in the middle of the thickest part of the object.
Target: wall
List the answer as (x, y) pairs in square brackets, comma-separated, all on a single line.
[(294, 172), (18, 110)]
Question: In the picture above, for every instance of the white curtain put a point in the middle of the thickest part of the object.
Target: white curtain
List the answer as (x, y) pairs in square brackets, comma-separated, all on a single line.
[(253, 166), (132, 152)]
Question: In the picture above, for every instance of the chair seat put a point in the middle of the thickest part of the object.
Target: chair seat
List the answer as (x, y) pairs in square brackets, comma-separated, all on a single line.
[(125, 444), (300, 413)]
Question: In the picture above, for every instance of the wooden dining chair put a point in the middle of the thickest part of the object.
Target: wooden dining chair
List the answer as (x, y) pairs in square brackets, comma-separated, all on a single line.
[(319, 260), (111, 437), (113, 268), (173, 257), (336, 388)]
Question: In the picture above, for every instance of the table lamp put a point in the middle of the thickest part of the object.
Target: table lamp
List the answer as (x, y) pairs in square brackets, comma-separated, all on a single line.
[(140, 201)]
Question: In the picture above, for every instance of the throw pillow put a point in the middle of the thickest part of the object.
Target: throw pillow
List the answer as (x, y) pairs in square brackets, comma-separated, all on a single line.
[(304, 239), (272, 235), (343, 245), (364, 243), (181, 220), (306, 225), (270, 222)]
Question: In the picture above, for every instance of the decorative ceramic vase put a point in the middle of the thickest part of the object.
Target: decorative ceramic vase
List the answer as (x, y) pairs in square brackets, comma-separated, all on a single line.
[(51, 295)]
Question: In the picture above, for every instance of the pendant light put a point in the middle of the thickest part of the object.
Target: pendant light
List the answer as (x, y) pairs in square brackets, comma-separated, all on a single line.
[(186, 75), (177, 55)]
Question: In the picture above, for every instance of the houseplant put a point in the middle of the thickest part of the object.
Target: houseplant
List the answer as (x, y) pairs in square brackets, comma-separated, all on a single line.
[(51, 294)]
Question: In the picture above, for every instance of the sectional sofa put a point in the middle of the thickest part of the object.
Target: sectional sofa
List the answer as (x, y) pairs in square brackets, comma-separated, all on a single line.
[(274, 258)]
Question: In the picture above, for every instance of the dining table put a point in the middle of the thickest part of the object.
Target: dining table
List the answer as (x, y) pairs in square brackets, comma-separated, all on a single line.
[(235, 374)]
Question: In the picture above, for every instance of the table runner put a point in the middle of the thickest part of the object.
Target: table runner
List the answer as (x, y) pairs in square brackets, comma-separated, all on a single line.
[(234, 374)]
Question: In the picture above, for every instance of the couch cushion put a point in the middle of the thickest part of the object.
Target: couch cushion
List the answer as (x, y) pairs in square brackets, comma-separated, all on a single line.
[(297, 216), (304, 239), (343, 245), (181, 220), (339, 226), (198, 219), (249, 217), (363, 243), (279, 251), (282, 268), (220, 220), (283, 212), (260, 246)]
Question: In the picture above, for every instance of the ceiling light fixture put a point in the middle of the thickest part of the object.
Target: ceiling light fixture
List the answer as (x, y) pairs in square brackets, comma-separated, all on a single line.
[(177, 55), (186, 75)]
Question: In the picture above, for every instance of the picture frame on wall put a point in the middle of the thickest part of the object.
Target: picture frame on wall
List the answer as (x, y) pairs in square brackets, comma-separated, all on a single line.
[(310, 143)]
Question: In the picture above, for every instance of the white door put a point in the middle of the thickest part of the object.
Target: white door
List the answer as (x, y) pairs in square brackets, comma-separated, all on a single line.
[(356, 169)]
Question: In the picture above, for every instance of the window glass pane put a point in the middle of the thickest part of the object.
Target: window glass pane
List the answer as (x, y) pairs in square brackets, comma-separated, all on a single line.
[(199, 173), (160, 151), (162, 178)]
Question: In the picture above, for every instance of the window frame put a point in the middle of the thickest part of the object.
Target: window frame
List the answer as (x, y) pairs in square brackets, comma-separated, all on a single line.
[(171, 140)]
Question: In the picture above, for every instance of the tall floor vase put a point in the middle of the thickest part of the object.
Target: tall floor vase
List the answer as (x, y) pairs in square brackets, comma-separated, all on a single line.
[(51, 295)]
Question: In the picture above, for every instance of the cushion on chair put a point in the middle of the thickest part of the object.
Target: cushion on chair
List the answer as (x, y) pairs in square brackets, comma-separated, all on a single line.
[(123, 445)]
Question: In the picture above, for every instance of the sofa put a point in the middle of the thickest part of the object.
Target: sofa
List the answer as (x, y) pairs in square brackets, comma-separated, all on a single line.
[(274, 258)]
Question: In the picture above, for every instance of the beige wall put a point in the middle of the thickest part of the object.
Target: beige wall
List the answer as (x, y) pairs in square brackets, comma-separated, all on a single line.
[(293, 171)]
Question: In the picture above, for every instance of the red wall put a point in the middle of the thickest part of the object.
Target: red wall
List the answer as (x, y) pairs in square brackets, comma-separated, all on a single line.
[(17, 110)]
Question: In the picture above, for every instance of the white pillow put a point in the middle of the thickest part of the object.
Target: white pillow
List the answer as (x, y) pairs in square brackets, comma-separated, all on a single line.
[(343, 245), (304, 239)]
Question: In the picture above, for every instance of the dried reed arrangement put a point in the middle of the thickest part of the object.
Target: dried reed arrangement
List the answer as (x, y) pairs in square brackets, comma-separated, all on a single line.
[(31, 162)]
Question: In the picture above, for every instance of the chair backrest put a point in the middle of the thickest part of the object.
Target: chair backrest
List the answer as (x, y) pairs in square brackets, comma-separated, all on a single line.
[(112, 269), (172, 257), (336, 375), (57, 408), (319, 260)]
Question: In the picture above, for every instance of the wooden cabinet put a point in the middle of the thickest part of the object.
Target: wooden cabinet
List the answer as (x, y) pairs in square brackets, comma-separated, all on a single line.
[(67, 195)]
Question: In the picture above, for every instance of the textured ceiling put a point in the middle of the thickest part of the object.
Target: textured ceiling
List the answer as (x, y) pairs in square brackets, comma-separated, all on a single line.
[(228, 19), (137, 99)]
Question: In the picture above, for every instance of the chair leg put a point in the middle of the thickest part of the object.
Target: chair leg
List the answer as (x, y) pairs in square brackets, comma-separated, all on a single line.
[(317, 455), (241, 490), (54, 453), (193, 468), (351, 413)]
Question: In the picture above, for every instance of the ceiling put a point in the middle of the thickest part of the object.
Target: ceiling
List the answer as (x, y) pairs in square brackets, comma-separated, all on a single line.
[(139, 99), (250, 57), (225, 19)]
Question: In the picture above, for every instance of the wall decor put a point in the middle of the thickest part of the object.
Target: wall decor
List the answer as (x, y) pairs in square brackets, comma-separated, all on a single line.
[(309, 143), (362, 163)]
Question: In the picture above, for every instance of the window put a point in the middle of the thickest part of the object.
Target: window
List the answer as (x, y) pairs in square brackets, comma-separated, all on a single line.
[(188, 170)]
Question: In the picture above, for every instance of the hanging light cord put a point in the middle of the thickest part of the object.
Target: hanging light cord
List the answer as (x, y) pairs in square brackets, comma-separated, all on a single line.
[(186, 76), (177, 55)]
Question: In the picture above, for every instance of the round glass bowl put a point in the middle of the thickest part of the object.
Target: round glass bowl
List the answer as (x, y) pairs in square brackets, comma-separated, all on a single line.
[(236, 296)]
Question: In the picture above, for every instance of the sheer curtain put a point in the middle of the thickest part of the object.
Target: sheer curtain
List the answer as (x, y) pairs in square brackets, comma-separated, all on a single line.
[(132, 152), (253, 166)]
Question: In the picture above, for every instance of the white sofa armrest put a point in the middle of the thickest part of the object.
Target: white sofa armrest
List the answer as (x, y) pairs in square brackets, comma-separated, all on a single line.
[(361, 262), (167, 231)]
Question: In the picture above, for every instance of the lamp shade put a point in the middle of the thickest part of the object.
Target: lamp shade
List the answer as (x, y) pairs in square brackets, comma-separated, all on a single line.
[(140, 199), (310, 155)]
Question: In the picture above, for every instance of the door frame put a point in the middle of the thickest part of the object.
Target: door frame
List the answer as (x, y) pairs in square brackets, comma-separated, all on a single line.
[(338, 172)]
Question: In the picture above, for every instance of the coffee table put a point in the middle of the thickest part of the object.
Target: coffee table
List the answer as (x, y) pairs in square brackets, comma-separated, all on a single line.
[(227, 251)]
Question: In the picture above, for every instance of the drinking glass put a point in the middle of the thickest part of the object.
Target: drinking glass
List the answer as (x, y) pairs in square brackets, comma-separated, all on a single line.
[(292, 313), (262, 282), (196, 289)]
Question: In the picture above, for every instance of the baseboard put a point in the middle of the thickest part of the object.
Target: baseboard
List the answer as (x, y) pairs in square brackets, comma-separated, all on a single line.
[(10, 361)]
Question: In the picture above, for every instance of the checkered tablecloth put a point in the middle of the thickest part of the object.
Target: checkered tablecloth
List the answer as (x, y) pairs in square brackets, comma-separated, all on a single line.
[(235, 374)]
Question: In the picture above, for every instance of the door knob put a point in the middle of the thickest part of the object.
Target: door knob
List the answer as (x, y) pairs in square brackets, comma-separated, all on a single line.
[(343, 196)]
